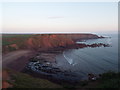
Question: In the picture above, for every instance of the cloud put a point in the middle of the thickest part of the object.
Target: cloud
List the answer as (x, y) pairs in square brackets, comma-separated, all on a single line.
[(55, 17)]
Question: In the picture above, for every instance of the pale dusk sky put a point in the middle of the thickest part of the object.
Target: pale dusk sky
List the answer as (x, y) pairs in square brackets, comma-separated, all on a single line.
[(59, 17)]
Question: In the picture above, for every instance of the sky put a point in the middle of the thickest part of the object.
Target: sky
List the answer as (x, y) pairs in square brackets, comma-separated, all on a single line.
[(59, 17)]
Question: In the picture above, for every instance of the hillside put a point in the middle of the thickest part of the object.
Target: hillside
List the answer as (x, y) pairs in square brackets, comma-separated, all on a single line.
[(12, 79)]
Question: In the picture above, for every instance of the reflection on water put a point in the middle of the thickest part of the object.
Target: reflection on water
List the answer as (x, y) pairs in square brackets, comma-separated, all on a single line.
[(90, 60)]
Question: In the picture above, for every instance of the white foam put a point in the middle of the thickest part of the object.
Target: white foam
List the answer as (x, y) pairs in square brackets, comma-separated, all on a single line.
[(70, 61)]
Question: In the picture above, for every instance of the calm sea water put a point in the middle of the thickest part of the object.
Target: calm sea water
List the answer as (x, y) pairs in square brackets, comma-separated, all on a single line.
[(91, 60)]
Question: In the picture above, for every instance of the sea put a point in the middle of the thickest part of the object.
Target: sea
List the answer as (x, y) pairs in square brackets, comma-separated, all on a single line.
[(84, 61)]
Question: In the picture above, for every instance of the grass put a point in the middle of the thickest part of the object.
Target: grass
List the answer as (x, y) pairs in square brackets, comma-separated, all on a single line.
[(107, 80), (8, 39), (110, 80), (21, 80), (18, 39)]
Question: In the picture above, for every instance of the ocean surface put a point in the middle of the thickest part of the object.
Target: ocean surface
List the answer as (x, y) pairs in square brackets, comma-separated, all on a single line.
[(96, 60)]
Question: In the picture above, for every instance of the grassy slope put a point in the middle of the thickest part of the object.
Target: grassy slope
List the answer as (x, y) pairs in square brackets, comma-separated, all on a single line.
[(107, 80), (110, 80), (18, 38), (21, 80)]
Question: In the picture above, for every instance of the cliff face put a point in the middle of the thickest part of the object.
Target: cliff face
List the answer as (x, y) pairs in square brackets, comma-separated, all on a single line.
[(43, 41)]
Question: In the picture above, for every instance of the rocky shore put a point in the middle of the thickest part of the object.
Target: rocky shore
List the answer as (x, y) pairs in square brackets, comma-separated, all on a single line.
[(46, 67), (44, 63)]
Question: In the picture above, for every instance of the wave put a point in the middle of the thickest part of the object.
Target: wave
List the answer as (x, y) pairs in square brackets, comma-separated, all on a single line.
[(70, 61)]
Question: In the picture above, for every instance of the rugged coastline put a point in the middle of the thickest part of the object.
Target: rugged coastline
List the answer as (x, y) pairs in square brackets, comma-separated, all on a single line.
[(44, 63)]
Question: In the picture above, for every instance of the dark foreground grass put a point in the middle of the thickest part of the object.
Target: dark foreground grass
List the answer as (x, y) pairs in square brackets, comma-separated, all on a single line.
[(21, 80), (110, 80)]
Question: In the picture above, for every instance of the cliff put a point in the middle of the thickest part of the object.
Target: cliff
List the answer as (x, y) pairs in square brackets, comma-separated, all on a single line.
[(41, 42)]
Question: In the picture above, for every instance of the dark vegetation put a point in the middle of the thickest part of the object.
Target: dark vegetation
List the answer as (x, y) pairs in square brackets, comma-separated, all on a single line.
[(110, 80), (21, 80)]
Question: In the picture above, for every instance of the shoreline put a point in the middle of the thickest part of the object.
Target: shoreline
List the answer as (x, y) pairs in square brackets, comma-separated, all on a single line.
[(60, 73)]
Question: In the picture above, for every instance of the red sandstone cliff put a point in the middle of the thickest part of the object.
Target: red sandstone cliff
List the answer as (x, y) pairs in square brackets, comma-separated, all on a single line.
[(45, 41), (48, 41)]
